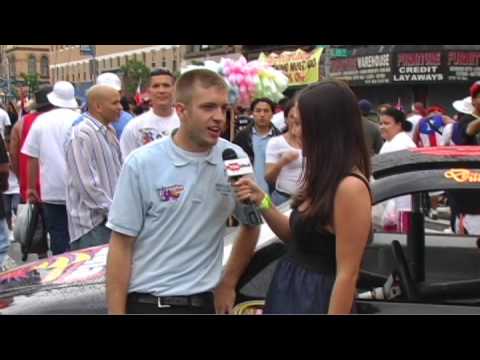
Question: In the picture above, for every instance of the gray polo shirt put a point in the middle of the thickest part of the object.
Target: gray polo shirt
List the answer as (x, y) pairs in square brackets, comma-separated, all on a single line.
[(176, 204)]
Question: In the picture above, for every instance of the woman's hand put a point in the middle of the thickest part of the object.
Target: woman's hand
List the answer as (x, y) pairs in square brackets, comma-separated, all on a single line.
[(288, 157), (247, 190)]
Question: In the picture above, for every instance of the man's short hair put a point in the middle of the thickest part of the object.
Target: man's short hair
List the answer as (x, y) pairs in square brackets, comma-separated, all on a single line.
[(198, 77), (264, 100), (160, 72)]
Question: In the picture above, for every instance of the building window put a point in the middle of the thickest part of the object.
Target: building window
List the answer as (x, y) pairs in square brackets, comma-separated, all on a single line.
[(32, 64), (134, 57), (118, 61), (84, 76), (164, 63), (11, 63), (62, 73), (174, 66), (153, 65), (126, 59), (144, 57), (111, 63), (44, 66), (73, 77), (103, 64), (57, 72)]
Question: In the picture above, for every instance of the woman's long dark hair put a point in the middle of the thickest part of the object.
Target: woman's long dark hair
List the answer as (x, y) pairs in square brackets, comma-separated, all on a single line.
[(333, 145)]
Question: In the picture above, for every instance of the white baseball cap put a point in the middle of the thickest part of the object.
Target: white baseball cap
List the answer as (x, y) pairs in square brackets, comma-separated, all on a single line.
[(110, 79), (63, 95), (464, 106)]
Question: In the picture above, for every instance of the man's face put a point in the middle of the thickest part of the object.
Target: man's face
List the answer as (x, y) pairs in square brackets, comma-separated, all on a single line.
[(262, 114), (110, 107), (205, 117), (161, 90)]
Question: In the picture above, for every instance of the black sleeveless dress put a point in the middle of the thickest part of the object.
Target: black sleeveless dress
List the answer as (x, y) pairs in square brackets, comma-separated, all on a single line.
[(304, 278)]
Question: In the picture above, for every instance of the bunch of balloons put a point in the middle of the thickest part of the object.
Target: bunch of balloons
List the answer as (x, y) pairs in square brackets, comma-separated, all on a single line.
[(247, 80)]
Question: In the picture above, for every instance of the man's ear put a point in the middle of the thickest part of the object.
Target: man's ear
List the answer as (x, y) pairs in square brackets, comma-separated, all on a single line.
[(96, 106), (181, 110)]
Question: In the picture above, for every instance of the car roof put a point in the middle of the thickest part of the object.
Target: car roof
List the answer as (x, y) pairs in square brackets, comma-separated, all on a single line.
[(436, 158)]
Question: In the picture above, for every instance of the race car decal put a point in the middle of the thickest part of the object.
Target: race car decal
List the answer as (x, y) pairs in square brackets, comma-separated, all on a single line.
[(73, 267), (463, 176)]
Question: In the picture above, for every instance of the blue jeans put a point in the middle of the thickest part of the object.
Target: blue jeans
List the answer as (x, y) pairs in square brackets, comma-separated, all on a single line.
[(57, 226), (4, 242), (11, 202), (100, 235), (279, 199)]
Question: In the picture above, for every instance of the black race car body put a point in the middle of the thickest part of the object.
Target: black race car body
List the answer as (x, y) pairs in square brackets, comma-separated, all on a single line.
[(403, 273)]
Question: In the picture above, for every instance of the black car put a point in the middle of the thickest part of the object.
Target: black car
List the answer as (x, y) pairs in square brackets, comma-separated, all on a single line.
[(420, 268)]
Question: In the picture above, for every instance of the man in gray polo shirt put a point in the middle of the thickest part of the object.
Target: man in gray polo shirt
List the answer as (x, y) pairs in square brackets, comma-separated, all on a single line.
[(169, 213)]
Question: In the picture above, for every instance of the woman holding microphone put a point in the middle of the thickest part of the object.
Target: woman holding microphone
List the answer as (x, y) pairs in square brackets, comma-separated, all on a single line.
[(331, 220)]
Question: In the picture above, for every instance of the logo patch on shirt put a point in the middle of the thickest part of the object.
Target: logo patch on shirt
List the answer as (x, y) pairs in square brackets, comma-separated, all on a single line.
[(149, 134), (168, 193)]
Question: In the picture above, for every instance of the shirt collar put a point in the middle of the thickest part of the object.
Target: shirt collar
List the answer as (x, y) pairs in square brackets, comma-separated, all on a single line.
[(180, 158), (97, 125), (270, 133)]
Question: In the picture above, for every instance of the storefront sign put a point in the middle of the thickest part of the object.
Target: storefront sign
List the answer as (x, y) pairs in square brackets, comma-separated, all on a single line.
[(301, 67), (463, 65), (418, 67), (362, 70)]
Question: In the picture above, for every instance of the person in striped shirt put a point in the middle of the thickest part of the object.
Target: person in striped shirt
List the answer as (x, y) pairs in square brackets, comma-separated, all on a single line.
[(94, 161)]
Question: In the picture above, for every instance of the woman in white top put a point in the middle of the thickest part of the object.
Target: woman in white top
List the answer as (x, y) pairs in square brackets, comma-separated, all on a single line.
[(284, 160), (394, 128)]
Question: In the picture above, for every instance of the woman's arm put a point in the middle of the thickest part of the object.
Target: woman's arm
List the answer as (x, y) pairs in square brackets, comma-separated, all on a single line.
[(352, 223), (273, 170)]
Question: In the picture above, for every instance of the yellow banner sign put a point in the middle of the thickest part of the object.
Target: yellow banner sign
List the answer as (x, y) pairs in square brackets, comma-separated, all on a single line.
[(463, 176), (301, 67)]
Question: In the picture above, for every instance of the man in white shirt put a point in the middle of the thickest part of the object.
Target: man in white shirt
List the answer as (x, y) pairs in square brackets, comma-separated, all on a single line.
[(44, 147), (159, 121), (4, 121)]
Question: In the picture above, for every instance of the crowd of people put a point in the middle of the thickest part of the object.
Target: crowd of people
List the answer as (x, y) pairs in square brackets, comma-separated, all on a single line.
[(151, 183)]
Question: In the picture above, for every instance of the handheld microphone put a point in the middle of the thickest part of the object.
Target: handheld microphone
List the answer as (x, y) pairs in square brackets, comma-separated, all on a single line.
[(235, 169)]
